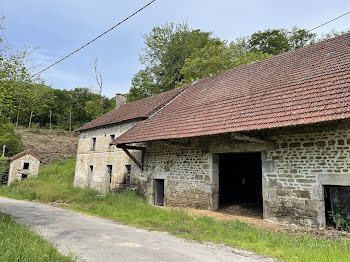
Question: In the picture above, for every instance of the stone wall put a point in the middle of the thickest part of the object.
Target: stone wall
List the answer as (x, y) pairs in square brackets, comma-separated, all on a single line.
[(186, 173), (103, 155), (296, 164), (298, 168), (16, 168)]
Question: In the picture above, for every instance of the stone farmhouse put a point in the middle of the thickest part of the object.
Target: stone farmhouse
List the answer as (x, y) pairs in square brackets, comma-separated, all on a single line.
[(275, 133), (22, 166)]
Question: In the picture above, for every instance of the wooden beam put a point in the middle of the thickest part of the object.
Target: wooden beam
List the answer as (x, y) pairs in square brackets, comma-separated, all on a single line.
[(251, 139), (131, 147), (133, 158)]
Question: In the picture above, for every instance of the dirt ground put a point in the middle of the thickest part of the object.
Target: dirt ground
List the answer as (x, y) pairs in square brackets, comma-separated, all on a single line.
[(253, 216), (49, 146)]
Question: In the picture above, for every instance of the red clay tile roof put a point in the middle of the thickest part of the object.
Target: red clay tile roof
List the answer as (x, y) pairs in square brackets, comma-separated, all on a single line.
[(140, 109), (23, 154), (304, 86)]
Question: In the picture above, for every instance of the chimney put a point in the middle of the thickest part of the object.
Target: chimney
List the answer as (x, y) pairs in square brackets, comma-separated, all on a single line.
[(120, 100)]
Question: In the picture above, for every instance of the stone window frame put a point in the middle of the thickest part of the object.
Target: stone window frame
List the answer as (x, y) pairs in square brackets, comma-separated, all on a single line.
[(24, 165), (318, 190), (90, 173), (109, 175), (160, 176), (93, 143)]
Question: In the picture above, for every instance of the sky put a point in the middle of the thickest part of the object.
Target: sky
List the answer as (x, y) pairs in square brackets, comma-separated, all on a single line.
[(59, 27)]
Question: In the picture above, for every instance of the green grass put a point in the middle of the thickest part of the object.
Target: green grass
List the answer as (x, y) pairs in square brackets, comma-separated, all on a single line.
[(55, 184), (18, 243)]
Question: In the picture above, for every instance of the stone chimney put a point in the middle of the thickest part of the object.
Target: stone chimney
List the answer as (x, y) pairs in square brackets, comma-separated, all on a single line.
[(120, 100)]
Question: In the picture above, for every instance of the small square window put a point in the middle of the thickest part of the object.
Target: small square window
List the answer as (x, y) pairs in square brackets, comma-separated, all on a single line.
[(25, 165), (24, 176), (112, 137)]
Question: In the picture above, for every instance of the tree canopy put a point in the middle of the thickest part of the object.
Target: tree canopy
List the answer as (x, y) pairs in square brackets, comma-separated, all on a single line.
[(175, 55), (277, 41)]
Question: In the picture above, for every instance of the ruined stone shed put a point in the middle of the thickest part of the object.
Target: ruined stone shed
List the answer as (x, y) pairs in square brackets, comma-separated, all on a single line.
[(275, 133), (23, 165)]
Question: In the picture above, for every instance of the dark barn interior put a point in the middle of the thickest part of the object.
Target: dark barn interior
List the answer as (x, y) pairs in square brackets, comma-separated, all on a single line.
[(240, 180)]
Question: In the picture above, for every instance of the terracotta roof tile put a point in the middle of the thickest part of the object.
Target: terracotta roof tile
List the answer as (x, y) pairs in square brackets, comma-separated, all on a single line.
[(304, 86), (23, 153), (140, 109)]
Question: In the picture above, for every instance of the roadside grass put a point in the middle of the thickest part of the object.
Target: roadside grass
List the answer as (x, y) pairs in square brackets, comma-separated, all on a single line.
[(19, 243), (54, 184)]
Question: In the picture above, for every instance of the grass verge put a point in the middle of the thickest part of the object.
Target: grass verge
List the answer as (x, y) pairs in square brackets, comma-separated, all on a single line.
[(18, 243), (54, 184)]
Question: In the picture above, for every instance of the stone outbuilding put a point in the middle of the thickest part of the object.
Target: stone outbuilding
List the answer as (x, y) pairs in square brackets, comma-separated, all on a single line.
[(274, 134), (22, 166)]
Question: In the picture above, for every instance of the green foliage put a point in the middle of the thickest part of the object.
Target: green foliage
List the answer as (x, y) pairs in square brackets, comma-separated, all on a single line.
[(55, 184), (167, 48), (9, 137), (4, 170), (216, 58), (339, 217), (175, 55), (18, 243), (277, 41), (26, 100)]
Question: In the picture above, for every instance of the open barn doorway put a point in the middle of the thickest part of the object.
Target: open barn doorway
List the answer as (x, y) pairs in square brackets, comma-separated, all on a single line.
[(240, 183)]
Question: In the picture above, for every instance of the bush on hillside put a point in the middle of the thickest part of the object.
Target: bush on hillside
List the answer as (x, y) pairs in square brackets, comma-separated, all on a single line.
[(9, 137), (4, 170)]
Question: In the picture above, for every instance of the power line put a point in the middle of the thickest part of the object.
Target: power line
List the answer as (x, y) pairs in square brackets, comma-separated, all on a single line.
[(97, 37), (329, 21)]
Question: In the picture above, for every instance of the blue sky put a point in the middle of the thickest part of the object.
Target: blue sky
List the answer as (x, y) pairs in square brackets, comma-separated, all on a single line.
[(59, 27)]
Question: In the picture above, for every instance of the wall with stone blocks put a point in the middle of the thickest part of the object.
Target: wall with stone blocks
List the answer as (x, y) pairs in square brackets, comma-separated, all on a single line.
[(296, 164), (16, 168), (104, 155), (186, 173), (298, 168)]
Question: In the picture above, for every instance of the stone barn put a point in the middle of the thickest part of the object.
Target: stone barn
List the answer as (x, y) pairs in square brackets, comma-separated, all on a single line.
[(273, 134), (22, 166)]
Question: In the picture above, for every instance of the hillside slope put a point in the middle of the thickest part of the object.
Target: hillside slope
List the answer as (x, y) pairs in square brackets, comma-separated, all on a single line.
[(49, 145)]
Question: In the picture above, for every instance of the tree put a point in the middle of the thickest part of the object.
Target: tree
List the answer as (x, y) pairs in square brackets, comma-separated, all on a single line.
[(167, 48), (216, 58), (277, 41), (98, 78), (9, 137)]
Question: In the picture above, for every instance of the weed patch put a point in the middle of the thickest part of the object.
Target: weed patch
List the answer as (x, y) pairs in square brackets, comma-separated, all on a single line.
[(18, 243)]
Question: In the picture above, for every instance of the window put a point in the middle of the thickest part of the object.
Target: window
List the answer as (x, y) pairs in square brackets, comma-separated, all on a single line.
[(93, 146), (25, 165), (112, 137), (128, 172), (91, 172), (109, 173), (24, 176)]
